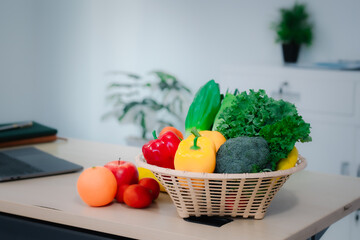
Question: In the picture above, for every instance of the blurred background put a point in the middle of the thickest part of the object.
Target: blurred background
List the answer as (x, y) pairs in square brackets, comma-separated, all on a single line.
[(55, 55)]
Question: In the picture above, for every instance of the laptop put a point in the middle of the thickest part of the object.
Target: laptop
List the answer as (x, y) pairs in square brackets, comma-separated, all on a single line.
[(30, 162)]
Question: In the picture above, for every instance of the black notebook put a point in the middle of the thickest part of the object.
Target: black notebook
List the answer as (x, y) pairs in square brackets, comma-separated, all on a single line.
[(30, 162), (34, 130)]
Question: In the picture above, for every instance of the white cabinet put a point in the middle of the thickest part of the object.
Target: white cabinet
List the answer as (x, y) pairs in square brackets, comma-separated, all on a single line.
[(331, 149), (330, 101)]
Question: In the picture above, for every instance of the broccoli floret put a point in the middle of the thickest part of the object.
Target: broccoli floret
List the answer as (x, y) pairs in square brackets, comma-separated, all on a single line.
[(242, 155)]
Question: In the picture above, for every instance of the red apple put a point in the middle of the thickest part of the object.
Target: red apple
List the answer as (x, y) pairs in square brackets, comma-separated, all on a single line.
[(125, 172)]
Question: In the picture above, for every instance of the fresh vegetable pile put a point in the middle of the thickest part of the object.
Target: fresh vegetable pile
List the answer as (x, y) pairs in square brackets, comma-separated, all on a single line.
[(240, 132), (255, 114)]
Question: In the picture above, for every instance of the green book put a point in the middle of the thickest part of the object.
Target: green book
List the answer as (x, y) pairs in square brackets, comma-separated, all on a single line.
[(18, 133)]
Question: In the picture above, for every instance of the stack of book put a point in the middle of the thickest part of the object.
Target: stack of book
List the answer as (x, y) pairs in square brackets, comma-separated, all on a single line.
[(15, 134)]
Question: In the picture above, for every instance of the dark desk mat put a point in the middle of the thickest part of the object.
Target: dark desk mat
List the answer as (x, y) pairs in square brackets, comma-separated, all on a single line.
[(214, 221)]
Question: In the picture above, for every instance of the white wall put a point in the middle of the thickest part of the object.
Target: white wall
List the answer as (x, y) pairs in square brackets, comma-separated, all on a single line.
[(17, 81), (54, 54)]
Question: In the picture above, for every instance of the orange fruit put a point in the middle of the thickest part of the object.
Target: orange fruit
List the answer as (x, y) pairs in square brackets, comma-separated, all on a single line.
[(172, 129), (97, 186)]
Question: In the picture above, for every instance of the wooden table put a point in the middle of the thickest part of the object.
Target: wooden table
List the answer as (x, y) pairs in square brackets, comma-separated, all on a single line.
[(308, 203)]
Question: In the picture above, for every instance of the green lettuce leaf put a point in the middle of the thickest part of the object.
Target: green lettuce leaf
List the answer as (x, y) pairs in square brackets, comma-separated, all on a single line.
[(256, 114)]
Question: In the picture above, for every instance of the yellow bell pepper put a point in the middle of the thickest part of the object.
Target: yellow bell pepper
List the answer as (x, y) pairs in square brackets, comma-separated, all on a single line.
[(196, 154), (217, 138), (288, 162), (146, 173)]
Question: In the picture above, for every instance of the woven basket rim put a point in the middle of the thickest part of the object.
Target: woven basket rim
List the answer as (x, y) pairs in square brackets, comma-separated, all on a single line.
[(141, 162)]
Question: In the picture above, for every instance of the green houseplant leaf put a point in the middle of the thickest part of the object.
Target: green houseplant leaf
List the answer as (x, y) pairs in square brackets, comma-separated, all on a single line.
[(294, 25), (146, 100)]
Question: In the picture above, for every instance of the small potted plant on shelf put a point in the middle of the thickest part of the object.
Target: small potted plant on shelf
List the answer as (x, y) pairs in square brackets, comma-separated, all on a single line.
[(150, 103), (292, 30)]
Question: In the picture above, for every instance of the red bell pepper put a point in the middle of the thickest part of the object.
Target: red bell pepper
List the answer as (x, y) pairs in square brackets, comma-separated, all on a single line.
[(161, 151)]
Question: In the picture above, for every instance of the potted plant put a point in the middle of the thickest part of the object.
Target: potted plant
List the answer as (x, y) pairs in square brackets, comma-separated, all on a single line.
[(150, 103), (292, 30)]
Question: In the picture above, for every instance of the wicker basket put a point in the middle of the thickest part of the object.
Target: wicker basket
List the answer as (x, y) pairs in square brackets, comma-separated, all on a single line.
[(214, 194)]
